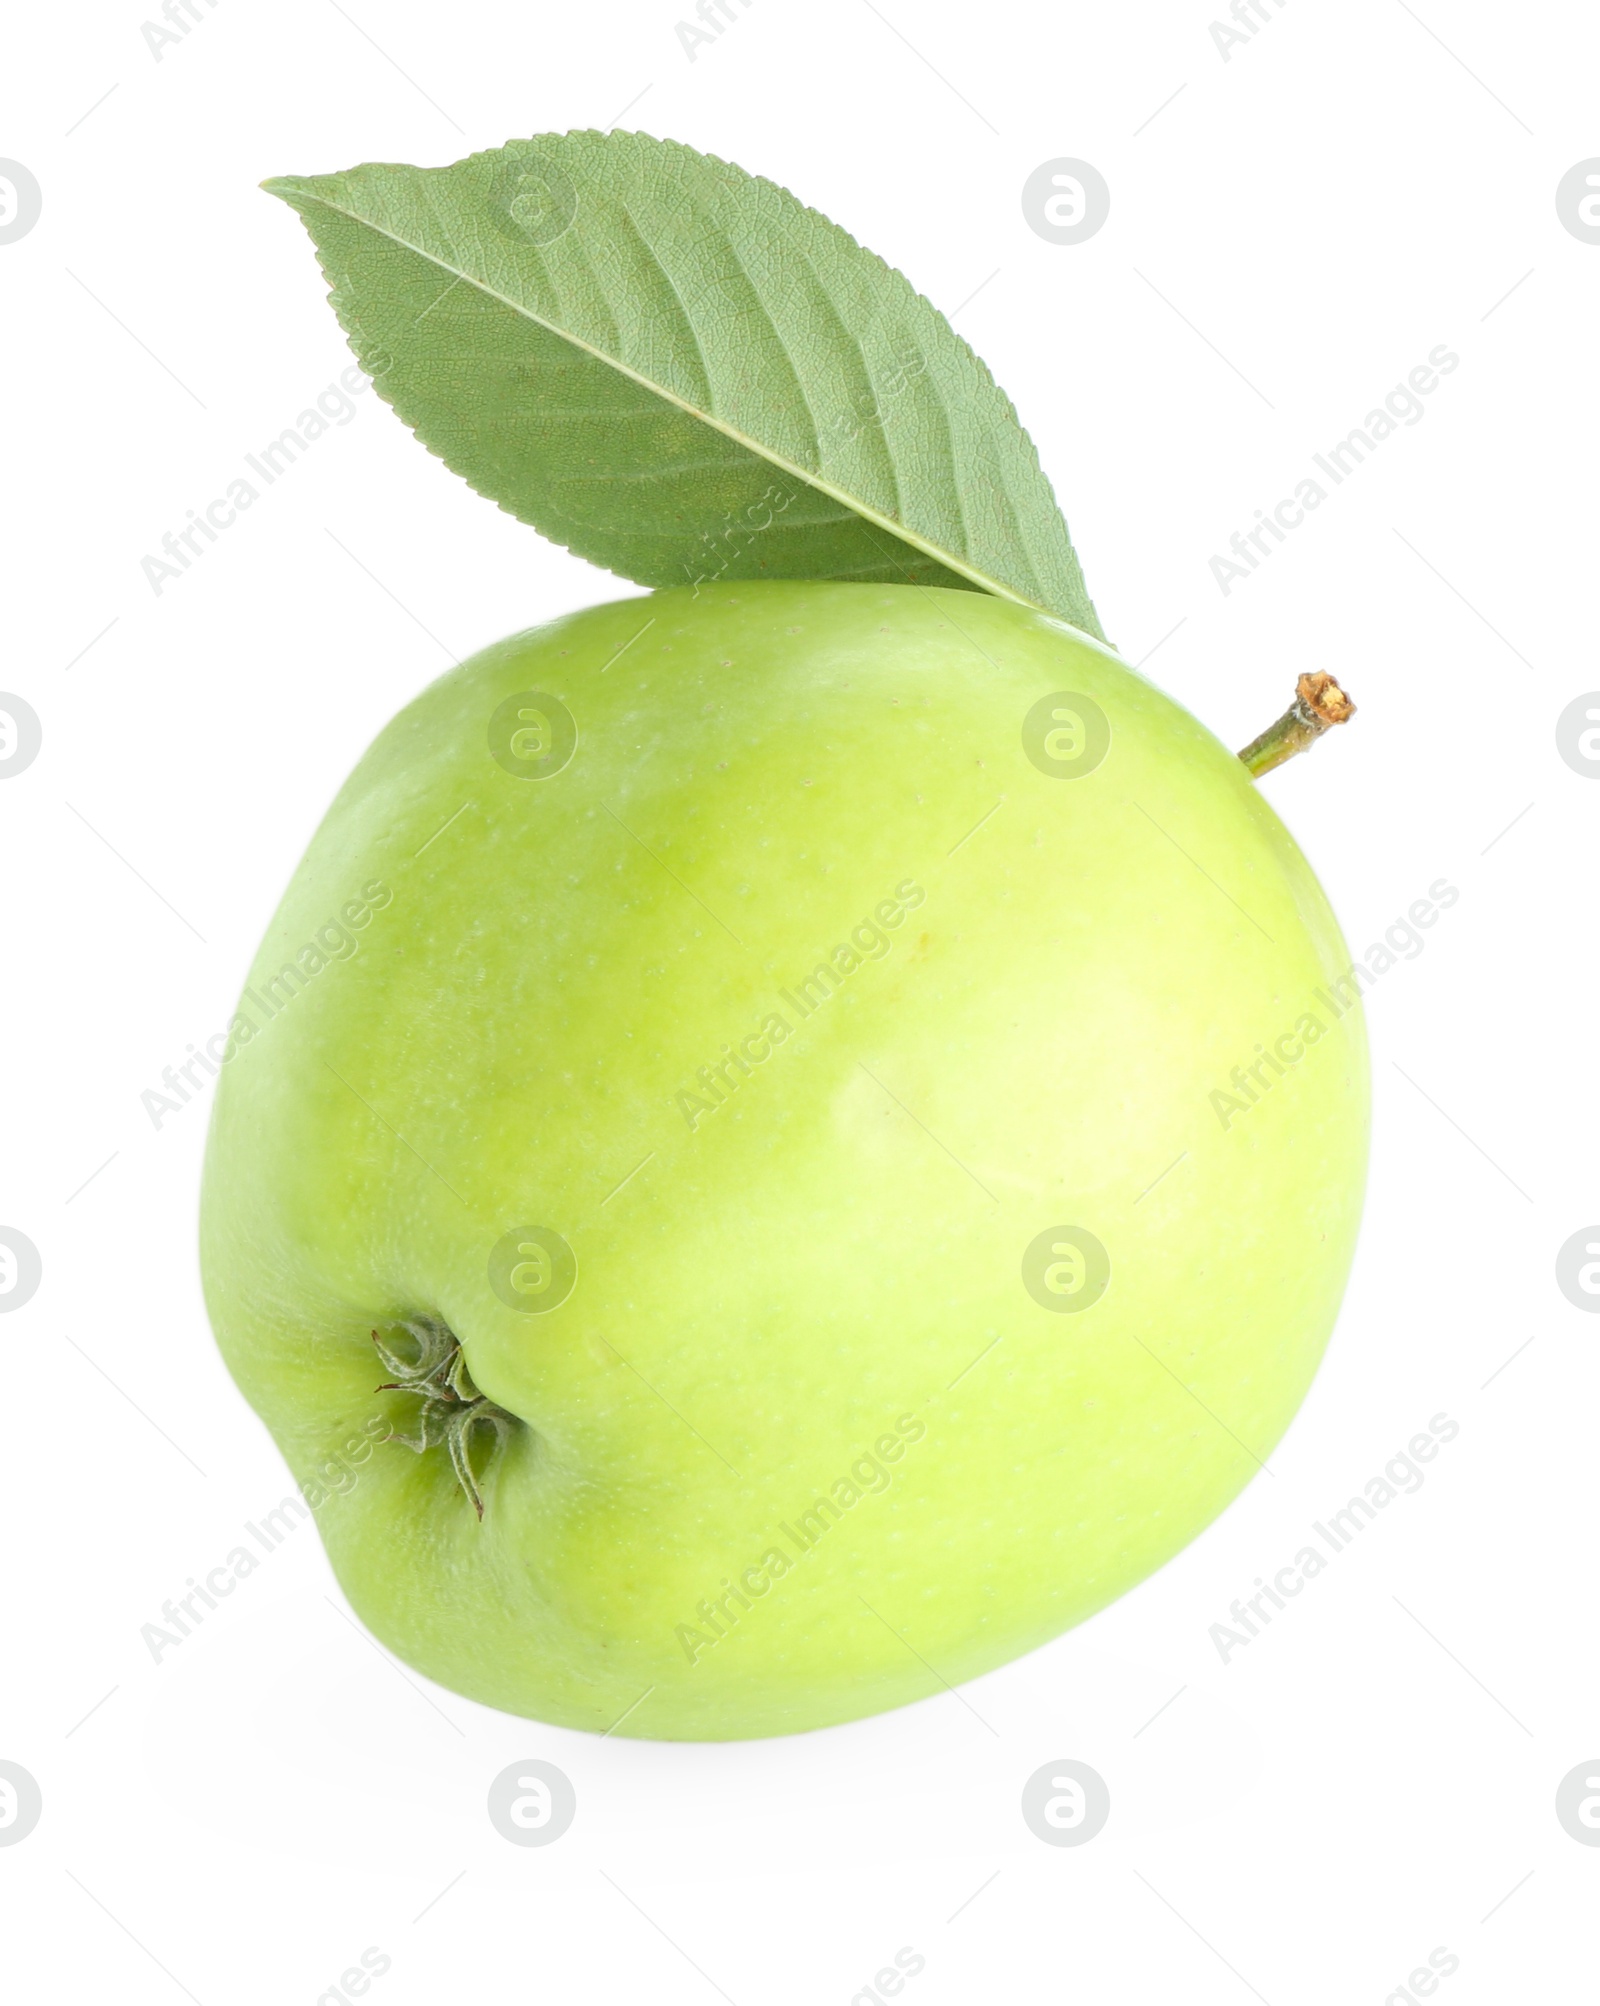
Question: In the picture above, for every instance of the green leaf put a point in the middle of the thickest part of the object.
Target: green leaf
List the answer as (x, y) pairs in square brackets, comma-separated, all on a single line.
[(678, 371)]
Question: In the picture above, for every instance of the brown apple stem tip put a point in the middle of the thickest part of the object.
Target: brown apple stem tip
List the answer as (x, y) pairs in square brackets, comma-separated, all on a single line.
[(1318, 703)]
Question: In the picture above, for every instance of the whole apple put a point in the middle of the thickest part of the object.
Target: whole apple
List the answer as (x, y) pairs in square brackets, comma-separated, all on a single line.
[(828, 1111)]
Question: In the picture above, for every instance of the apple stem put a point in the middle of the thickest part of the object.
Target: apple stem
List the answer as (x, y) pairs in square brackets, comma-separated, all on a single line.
[(1318, 703)]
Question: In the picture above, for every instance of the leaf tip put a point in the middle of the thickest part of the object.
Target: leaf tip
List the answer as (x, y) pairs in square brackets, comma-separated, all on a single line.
[(290, 188)]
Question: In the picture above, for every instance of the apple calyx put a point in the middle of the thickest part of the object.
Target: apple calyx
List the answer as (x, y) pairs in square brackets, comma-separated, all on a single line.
[(1318, 703), (451, 1405)]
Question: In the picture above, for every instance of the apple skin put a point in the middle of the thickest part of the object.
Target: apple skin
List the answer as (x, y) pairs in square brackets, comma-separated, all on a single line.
[(832, 1257)]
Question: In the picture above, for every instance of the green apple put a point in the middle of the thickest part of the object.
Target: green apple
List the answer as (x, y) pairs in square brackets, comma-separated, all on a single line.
[(786, 1144)]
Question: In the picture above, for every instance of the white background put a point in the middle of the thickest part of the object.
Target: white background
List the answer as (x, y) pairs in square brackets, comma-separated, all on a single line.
[(1291, 231)]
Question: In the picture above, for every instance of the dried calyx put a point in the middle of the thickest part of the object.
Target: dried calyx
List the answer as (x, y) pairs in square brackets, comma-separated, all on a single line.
[(452, 1407)]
